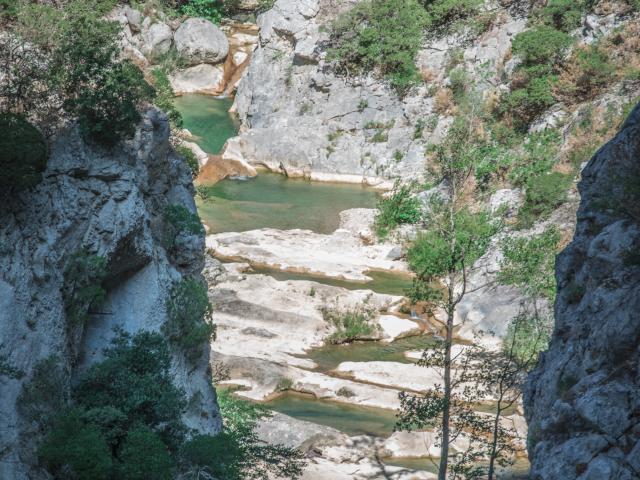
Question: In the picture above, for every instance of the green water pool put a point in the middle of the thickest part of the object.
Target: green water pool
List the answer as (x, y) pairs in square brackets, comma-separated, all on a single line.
[(329, 357), (383, 282), (350, 419), (208, 119), (274, 201)]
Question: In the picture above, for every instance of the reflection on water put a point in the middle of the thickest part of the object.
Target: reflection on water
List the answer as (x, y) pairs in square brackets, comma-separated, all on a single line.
[(382, 281), (329, 357), (350, 419), (273, 201), (208, 119)]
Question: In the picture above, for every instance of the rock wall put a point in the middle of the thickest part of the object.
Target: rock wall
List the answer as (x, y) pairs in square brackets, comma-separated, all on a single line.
[(110, 203), (583, 400), (300, 118)]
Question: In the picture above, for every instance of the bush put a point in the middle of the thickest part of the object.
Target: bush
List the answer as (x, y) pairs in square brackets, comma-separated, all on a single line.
[(284, 384), (83, 289), (529, 263), (164, 97), (383, 36), (101, 91), (586, 73), (133, 387), (442, 13), (544, 194), (563, 15), (189, 313), (144, 457), (351, 323), (46, 393), (401, 207), (179, 219), (190, 159), (541, 50), (541, 46), (23, 153), (76, 450)]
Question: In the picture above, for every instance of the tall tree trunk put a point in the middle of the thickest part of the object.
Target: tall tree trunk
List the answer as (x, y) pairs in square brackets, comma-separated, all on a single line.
[(446, 408), (494, 442)]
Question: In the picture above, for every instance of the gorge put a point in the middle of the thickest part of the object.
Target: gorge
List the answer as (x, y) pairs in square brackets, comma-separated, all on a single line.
[(325, 209)]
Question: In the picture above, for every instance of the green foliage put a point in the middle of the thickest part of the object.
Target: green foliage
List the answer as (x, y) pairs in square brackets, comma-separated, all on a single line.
[(589, 71), (102, 91), (442, 13), (83, 289), (382, 36), (126, 420), (131, 387), (237, 453), (190, 159), (179, 219), (164, 97), (8, 8), (431, 255), (529, 263), (145, 456), (23, 153), (401, 207), (541, 46), (211, 10), (544, 194), (540, 153), (284, 384), (527, 336), (541, 49), (189, 313), (76, 450), (563, 15), (46, 393), (351, 323)]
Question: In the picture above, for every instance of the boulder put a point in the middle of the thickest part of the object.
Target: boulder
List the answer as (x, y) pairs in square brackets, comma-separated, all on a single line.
[(199, 79), (156, 40), (200, 41)]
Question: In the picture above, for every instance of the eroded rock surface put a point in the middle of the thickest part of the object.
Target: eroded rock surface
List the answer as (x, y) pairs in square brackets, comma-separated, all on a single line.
[(583, 400), (109, 203)]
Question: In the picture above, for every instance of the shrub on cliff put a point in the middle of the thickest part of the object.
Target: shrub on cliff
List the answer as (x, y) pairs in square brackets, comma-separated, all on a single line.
[(23, 153), (189, 314), (238, 453), (544, 193), (179, 219), (401, 207), (85, 73), (383, 36)]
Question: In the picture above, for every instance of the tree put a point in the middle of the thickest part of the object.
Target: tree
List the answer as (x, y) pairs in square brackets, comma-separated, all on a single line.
[(237, 453), (23, 153), (144, 456), (101, 91), (442, 258), (501, 374), (74, 449)]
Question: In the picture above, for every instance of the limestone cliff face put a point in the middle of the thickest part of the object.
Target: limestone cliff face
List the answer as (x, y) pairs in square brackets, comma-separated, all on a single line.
[(583, 400), (109, 203), (300, 118)]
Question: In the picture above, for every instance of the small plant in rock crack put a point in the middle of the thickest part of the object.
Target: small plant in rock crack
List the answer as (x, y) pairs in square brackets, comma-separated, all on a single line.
[(82, 290), (351, 323), (178, 219), (189, 317)]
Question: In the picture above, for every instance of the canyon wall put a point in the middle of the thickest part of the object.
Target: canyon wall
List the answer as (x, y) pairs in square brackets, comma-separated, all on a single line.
[(583, 400), (108, 203)]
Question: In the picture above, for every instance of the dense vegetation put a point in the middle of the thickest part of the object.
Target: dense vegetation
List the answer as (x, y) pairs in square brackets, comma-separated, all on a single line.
[(384, 36), (124, 422)]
